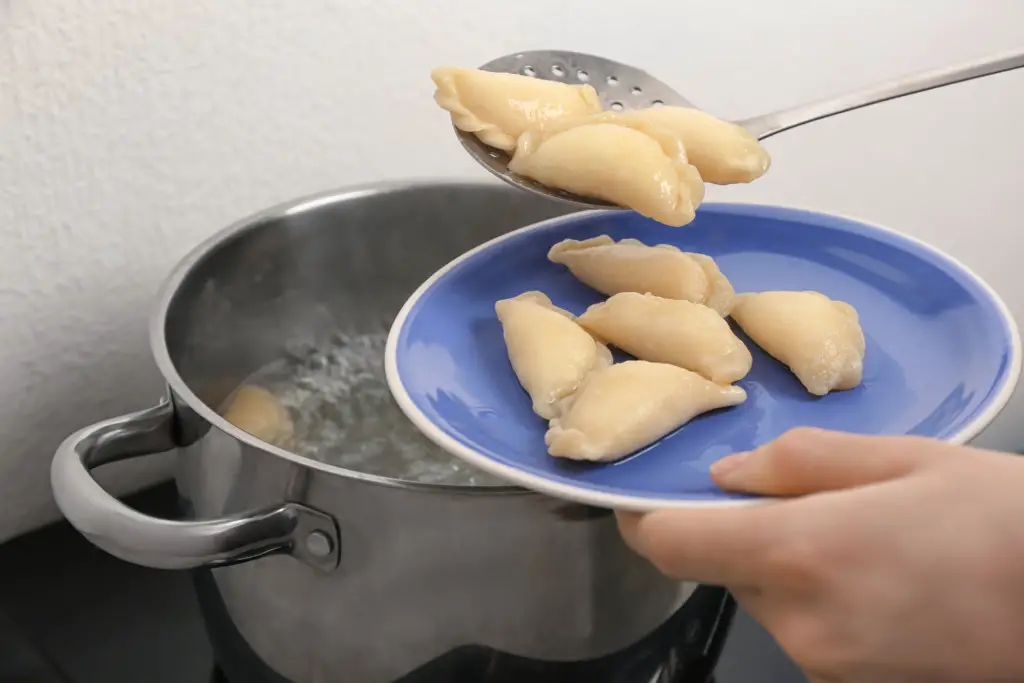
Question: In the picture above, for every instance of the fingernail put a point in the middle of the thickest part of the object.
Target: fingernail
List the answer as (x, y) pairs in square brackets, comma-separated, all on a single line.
[(728, 464)]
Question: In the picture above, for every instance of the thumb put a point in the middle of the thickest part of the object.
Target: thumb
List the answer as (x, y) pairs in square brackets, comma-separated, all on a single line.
[(806, 460)]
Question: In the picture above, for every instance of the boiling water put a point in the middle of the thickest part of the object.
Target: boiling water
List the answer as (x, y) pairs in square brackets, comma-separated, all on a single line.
[(344, 414)]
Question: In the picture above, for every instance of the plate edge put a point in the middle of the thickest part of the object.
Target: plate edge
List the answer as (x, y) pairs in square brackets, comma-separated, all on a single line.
[(516, 476)]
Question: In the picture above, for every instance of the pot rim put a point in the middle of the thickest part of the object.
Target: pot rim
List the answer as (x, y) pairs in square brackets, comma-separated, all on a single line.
[(186, 265), (184, 268)]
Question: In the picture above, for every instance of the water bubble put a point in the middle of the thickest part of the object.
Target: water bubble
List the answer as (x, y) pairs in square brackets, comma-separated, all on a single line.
[(345, 416)]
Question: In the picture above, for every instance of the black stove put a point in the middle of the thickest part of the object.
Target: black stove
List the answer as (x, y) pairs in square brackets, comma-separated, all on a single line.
[(70, 613)]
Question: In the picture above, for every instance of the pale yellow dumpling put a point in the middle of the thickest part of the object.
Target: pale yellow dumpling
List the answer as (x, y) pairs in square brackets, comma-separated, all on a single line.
[(819, 339), (255, 410), (627, 163), (629, 265), (720, 291), (550, 353), (628, 406), (685, 334), (498, 107), (723, 152)]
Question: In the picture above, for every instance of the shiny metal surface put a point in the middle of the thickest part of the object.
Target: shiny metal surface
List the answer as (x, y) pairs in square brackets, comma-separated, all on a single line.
[(767, 125), (423, 570), (279, 528), (622, 87)]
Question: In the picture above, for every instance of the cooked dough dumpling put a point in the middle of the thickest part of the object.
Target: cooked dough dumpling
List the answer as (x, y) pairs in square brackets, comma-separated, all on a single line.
[(255, 410), (723, 152), (549, 352), (720, 292), (631, 164), (625, 407), (498, 107), (819, 339), (629, 265), (681, 333)]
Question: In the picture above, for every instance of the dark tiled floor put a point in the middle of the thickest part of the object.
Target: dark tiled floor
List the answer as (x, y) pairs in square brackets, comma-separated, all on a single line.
[(104, 621)]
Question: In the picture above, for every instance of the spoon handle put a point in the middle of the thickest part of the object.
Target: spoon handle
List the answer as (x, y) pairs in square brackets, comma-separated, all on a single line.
[(767, 125)]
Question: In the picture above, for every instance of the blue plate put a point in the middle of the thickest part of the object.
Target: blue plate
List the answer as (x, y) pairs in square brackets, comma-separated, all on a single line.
[(943, 352)]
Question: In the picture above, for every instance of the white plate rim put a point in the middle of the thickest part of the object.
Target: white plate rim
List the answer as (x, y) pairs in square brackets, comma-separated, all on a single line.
[(616, 501)]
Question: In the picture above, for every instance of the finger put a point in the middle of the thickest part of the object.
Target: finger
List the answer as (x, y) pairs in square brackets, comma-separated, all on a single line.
[(804, 461), (720, 546), (628, 523)]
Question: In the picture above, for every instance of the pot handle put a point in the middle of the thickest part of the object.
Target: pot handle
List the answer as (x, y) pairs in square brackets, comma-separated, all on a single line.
[(310, 536)]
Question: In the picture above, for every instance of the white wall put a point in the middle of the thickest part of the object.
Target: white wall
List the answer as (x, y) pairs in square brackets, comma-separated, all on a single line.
[(130, 130)]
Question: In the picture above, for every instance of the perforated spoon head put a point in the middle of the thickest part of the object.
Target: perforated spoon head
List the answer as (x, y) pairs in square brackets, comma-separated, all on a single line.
[(619, 86)]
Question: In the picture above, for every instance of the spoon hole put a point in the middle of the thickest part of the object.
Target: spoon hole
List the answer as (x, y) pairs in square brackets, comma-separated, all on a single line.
[(637, 90), (529, 71), (616, 106), (657, 103), (612, 80), (582, 76), (557, 71)]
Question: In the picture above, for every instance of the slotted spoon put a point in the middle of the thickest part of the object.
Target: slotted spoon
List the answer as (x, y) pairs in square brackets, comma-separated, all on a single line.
[(623, 87)]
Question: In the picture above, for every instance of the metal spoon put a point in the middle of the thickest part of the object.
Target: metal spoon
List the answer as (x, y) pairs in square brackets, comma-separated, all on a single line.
[(623, 87)]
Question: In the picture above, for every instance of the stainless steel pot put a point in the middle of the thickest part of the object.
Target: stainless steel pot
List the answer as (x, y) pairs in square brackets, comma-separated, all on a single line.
[(324, 574)]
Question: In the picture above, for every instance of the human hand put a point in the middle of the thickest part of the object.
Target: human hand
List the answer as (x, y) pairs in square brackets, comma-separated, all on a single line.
[(888, 558)]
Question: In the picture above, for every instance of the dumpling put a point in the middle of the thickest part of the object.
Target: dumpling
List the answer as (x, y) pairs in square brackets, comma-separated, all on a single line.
[(627, 163), (255, 410), (627, 406), (498, 107), (629, 265), (819, 339), (549, 352), (685, 334), (723, 152), (720, 291)]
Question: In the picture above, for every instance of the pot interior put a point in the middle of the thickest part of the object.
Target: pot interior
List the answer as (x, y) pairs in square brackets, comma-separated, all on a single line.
[(298, 301)]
